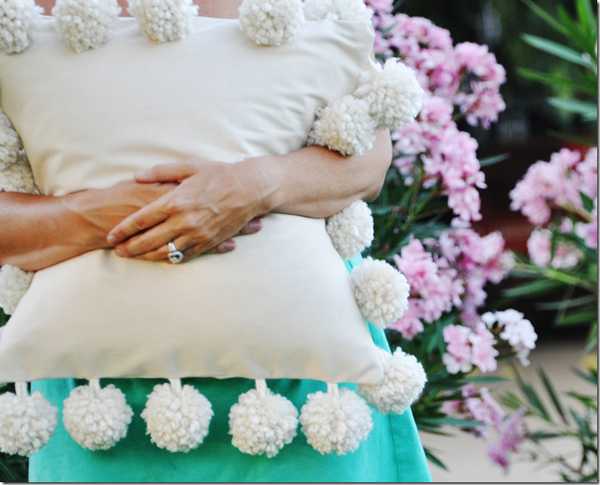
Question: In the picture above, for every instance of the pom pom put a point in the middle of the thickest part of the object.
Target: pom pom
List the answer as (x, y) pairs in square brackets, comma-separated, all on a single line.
[(164, 20), (262, 422), (177, 418), (85, 24), (381, 292), (336, 421), (351, 230), (17, 176), (19, 20), (403, 382), (96, 418), (337, 9), (345, 126), (271, 22), (392, 92), (14, 283), (26, 422), (10, 143)]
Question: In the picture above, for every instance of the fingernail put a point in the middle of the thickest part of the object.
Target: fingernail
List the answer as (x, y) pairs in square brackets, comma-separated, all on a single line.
[(255, 225), (112, 240), (229, 245), (119, 252)]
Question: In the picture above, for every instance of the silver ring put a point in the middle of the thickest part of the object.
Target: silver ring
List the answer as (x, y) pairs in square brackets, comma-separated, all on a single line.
[(175, 255)]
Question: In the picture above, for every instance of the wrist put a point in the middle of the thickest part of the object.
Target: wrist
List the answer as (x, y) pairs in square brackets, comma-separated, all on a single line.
[(268, 174), (81, 210)]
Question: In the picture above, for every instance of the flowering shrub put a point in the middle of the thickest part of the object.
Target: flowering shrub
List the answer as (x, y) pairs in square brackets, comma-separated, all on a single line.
[(423, 224)]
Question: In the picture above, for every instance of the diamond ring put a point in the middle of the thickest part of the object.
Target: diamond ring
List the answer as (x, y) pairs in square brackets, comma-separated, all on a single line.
[(175, 255)]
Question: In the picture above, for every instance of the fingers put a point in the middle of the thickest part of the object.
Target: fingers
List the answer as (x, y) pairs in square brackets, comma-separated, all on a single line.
[(168, 172), (147, 217), (252, 227), (162, 254)]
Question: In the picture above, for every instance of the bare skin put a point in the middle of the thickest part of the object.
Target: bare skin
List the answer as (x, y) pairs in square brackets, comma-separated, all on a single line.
[(200, 204)]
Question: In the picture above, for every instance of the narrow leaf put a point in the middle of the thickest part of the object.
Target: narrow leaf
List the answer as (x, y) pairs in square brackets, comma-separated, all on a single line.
[(549, 19), (556, 49), (434, 459), (591, 376), (552, 393), (555, 80), (485, 162), (588, 110), (588, 315), (533, 288)]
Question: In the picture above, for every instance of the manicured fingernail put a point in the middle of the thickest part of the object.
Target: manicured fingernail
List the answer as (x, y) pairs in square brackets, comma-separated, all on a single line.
[(255, 225), (229, 245)]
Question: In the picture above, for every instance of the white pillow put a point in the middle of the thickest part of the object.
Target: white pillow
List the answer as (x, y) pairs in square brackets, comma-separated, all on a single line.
[(281, 304)]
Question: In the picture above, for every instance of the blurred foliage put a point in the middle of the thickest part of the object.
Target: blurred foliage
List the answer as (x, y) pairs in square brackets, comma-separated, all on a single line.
[(578, 88), (575, 424)]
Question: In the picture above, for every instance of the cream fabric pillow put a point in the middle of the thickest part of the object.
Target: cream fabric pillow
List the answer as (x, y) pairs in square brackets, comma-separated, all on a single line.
[(281, 304)]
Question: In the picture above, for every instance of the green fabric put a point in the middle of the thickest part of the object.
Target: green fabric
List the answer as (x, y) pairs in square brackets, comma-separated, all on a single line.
[(392, 452)]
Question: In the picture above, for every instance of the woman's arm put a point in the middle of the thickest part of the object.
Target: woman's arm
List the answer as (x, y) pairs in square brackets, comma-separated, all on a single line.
[(215, 199)]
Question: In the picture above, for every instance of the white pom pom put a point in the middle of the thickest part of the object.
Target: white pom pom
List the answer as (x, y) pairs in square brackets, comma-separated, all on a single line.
[(337, 9), (19, 20), (17, 176), (96, 418), (14, 283), (26, 422), (10, 142), (271, 22), (85, 24), (351, 230), (262, 422), (403, 382), (392, 92), (336, 421), (381, 292), (177, 418), (164, 20), (345, 126)]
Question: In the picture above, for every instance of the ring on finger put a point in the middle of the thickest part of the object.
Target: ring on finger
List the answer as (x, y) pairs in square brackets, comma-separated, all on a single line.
[(174, 255)]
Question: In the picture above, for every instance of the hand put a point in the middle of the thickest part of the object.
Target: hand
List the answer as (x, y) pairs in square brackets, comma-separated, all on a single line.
[(213, 202)]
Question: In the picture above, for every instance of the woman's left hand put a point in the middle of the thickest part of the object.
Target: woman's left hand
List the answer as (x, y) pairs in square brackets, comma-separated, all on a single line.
[(213, 202)]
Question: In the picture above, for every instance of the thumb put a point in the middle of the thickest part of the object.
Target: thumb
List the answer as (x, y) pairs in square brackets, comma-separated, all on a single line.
[(167, 172)]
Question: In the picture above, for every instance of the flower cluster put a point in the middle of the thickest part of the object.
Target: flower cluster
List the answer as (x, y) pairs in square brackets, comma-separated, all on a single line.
[(513, 328), (466, 75), (467, 347), (449, 272), (502, 433), (554, 186), (449, 156)]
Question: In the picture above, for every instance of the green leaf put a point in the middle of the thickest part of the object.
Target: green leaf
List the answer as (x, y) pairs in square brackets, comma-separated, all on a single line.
[(434, 459), (533, 288), (543, 435), (587, 315), (532, 396), (485, 379), (462, 423), (556, 80), (591, 376), (578, 34), (485, 162), (558, 50), (588, 203), (552, 393), (569, 303), (586, 15), (588, 401), (549, 19), (589, 111)]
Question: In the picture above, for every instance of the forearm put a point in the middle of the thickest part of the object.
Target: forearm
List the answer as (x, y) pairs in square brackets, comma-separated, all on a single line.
[(39, 231), (317, 182)]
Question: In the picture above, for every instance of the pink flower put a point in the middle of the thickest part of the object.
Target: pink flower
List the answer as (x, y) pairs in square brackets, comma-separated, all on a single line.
[(511, 433), (466, 347), (539, 245), (556, 184), (589, 231)]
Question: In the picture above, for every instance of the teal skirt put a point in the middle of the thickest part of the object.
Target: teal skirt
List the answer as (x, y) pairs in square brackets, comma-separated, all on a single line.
[(392, 452)]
